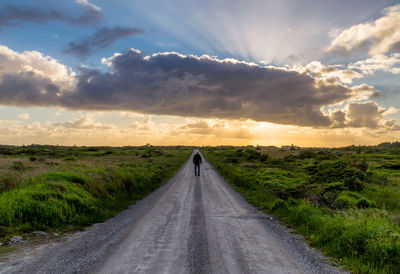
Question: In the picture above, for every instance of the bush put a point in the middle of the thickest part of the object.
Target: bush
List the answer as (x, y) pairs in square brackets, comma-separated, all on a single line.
[(304, 154), (337, 171), (8, 181), (65, 176), (375, 178), (17, 166), (70, 158), (353, 183), (343, 202), (241, 181), (252, 154), (364, 203), (328, 193), (278, 205), (294, 191), (232, 160), (325, 155)]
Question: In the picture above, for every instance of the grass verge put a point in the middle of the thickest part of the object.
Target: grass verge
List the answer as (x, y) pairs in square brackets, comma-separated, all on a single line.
[(361, 235), (81, 193)]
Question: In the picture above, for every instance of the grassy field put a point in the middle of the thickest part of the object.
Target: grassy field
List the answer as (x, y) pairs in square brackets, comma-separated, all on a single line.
[(52, 187), (345, 201)]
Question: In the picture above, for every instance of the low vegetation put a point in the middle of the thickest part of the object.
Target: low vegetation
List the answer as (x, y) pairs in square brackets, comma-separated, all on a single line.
[(49, 187), (345, 201)]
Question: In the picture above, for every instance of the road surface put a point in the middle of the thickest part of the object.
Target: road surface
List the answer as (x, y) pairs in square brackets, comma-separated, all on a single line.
[(189, 225)]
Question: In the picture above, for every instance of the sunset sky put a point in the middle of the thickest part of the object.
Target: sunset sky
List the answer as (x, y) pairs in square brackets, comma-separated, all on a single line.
[(211, 72)]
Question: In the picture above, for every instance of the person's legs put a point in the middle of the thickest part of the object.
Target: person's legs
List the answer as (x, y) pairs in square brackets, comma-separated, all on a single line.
[(196, 170)]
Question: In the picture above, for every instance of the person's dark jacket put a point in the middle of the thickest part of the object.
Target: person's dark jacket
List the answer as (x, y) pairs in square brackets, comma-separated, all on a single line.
[(197, 159)]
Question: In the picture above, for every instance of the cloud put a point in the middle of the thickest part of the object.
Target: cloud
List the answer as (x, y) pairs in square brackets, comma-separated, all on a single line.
[(85, 122), (378, 62), (88, 5), (377, 37), (217, 128), (91, 13), (174, 84), (364, 115), (13, 15), (329, 73), (24, 116), (392, 125), (32, 78), (338, 118), (94, 128), (367, 114), (145, 124), (391, 110), (37, 65), (102, 38)]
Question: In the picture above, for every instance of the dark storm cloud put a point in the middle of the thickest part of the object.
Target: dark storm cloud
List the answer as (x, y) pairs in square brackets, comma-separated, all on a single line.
[(173, 84), (366, 114), (13, 15), (99, 40), (28, 89)]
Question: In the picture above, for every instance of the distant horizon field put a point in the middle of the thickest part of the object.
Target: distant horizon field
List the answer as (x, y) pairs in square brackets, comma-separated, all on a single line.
[(286, 146)]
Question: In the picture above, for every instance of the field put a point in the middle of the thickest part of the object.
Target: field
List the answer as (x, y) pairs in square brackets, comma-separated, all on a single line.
[(54, 187), (345, 201)]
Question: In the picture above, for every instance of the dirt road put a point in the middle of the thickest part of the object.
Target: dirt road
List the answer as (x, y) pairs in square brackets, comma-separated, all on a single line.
[(190, 225)]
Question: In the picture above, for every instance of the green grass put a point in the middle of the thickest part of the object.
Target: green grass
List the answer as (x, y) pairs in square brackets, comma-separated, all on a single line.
[(81, 190), (344, 202)]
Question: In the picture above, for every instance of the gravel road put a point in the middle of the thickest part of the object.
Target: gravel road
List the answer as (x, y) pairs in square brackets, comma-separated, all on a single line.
[(189, 225)]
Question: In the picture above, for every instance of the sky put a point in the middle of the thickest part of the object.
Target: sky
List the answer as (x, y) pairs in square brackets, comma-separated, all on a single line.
[(213, 72)]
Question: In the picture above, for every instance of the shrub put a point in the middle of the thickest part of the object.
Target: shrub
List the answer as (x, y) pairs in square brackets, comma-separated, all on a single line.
[(263, 157), (17, 166), (294, 191), (232, 160), (304, 154), (241, 181), (364, 203), (353, 183), (375, 178), (343, 202), (337, 171), (278, 205), (362, 165), (251, 154), (328, 193), (325, 155), (66, 176), (70, 158), (8, 181)]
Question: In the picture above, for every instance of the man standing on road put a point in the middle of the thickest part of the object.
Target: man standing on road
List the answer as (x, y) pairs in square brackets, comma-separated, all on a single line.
[(197, 161)]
